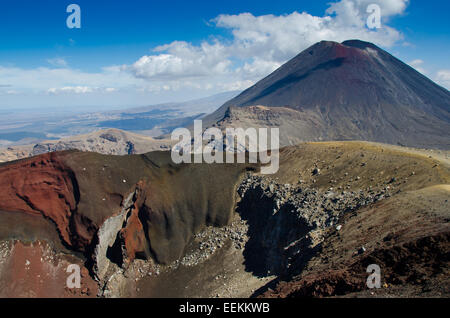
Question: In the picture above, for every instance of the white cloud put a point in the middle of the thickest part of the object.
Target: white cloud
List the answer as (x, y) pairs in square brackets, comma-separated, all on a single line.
[(443, 78), (9, 92), (43, 78), (181, 59), (258, 45), (417, 64), (72, 89), (80, 90), (58, 62), (352, 8), (236, 85), (257, 68)]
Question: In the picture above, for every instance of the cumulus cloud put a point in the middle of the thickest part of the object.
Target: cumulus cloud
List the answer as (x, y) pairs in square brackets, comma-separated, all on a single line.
[(58, 62), (355, 8), (258, 45), (71, 89), (181, 59), (79, 90), (443, 78), (9, 92), (417, 64)]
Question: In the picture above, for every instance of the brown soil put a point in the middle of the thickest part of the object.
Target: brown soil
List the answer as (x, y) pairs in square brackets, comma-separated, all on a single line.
[(35, 270)]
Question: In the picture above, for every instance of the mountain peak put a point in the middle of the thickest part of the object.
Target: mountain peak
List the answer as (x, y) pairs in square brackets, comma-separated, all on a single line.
[(355, 90), (349, 44), (359, 44)]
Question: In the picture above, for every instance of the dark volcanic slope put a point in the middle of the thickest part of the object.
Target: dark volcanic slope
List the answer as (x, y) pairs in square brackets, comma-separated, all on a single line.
[(353, 90)]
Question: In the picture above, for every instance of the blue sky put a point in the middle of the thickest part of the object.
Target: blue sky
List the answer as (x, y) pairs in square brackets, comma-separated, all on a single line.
[(144, 52)]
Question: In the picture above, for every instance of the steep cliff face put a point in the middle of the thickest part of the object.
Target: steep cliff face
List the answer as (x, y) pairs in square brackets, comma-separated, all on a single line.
[(119, 208), (133, 237), (288, 223), (410, 246), (45, 185)]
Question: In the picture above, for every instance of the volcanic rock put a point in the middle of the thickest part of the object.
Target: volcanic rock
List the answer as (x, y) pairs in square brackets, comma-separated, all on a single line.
[(344, 91)]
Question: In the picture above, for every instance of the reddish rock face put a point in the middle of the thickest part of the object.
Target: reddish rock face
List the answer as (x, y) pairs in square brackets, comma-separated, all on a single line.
[(341, 51), (78, 192), (133, 235), (41, 185)]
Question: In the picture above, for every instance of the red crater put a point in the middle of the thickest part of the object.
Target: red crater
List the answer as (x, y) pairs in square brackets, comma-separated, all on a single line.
[(41, 185)]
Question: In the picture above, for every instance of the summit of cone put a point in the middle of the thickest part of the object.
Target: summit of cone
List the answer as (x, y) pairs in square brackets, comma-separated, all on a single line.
[(352, 90)]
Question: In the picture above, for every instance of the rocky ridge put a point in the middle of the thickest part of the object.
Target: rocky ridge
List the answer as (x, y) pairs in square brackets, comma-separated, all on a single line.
[(107, 141), (288, 222)]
